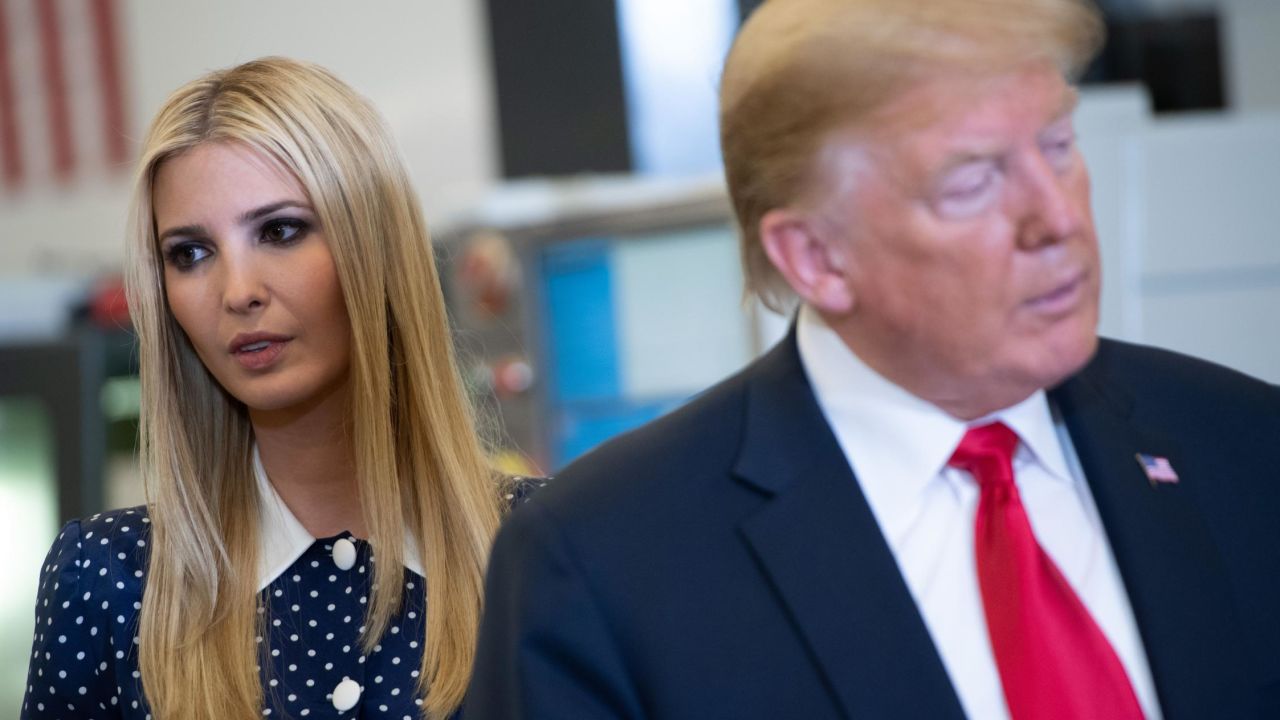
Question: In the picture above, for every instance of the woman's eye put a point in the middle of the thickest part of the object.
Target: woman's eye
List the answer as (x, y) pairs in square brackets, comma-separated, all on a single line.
[(185, 256), (284, 231)]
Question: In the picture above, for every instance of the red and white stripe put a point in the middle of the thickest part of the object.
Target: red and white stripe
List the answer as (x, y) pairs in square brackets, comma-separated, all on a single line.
[(61, 92)]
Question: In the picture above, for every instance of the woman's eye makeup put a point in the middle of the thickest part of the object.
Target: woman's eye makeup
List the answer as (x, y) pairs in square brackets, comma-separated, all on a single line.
[(284, 231), (186, 254)]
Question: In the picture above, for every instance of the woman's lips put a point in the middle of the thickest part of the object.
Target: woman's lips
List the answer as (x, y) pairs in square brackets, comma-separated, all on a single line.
[(259, 355)]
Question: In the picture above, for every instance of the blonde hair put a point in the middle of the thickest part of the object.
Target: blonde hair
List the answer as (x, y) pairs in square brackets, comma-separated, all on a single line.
[(800, 69), (419, 464)]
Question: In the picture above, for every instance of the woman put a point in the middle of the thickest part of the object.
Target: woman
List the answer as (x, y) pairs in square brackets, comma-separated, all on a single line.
[(300, 407)]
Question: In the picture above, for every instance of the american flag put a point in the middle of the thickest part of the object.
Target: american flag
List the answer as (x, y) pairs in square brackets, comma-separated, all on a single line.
[(62, 108), (1157, 468)]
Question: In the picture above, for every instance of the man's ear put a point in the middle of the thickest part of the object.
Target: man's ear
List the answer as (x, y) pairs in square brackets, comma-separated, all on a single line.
[(811, 260)]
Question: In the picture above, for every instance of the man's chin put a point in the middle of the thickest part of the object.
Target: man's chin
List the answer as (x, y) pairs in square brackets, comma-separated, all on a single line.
[(1062, 361)]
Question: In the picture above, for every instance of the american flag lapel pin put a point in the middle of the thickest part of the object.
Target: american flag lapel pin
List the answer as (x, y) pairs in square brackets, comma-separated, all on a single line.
[(1158, 469)]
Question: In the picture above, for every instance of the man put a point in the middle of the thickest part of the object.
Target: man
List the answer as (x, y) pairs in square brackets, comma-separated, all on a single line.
[(941, 496)]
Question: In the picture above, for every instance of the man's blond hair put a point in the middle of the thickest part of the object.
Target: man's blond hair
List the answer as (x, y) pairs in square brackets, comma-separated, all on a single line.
[(800, 69)]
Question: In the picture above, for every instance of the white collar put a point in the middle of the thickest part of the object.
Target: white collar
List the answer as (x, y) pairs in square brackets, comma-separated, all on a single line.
[(284, 539), (896, 442)]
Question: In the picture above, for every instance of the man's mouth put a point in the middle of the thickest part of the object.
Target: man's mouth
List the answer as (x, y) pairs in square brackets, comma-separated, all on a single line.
[(1062, 299)]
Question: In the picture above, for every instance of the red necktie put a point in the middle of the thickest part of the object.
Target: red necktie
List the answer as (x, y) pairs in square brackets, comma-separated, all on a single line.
[(1054, 661)]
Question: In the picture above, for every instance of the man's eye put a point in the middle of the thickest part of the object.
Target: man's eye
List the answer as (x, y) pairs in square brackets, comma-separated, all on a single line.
[(185, 256), (966, 191), (1059, 150), (283, 231)]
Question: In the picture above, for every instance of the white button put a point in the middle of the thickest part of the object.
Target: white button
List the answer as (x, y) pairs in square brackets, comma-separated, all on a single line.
[(344, 553), (346, 695)]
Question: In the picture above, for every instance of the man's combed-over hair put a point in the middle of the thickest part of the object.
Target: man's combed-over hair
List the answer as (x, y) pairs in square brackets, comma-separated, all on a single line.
[(800, 69)]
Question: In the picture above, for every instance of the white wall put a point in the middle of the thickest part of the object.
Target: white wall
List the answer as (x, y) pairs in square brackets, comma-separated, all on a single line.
[(1211, 253), (1110, 123), (1252, 41), (424, 64), (1187, 218)]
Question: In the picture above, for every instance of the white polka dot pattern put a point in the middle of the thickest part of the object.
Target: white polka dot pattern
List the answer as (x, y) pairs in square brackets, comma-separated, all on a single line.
[(84, 660)]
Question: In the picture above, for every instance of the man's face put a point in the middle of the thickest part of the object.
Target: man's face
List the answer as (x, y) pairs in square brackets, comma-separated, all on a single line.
[(961, 220)]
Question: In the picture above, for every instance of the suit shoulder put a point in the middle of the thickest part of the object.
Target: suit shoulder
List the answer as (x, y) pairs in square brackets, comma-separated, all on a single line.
[(1157, 372), (1182, 397), (667, 457), (702, 432)]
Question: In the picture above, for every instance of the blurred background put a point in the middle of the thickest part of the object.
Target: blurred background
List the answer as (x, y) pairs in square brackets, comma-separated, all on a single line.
[(566, 157)]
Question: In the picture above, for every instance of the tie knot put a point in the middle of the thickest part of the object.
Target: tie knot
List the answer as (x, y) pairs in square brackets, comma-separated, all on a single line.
[(987, 453)]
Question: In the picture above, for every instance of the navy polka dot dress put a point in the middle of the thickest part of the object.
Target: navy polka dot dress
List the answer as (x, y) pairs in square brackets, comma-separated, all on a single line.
[(84, 661)]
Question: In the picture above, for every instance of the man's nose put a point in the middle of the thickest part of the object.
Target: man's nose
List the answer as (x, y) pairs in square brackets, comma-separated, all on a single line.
[(1051, 211)]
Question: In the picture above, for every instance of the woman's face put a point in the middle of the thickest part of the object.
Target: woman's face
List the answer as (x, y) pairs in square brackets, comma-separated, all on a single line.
[(250, 278)]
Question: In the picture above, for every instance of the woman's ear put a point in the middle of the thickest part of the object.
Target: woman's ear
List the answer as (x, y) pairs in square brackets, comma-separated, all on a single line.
[(813, 262)]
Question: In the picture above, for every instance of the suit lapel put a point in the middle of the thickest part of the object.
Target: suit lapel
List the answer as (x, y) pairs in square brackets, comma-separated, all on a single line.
[(819, 545), (1174, 578)]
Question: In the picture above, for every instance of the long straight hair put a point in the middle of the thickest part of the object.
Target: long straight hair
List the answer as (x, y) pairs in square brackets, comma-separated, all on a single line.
[(420, 467)]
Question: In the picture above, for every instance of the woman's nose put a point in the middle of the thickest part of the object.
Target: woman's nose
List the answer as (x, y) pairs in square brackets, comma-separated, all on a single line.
[(244, 290)]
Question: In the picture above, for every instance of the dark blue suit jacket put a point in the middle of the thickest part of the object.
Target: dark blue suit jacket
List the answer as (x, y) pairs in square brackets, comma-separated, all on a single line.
[(723, 563)]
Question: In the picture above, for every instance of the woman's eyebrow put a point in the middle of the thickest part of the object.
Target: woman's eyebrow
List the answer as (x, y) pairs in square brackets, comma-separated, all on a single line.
[(196, 230), (269, 208), (244, 219)]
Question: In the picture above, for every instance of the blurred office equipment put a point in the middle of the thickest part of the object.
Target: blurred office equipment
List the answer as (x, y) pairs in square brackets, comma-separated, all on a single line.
[(27, 516), (68, 422), (1176, 55), (67, 354), (625, 300), (622, 296), (546, 57), (622, 86)]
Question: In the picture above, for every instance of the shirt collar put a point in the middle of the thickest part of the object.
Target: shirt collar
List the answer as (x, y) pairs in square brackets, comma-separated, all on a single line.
[(1041, 434), (284, 539), (898, 443)]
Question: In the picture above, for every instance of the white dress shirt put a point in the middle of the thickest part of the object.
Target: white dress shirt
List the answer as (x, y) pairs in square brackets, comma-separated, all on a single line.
[(898, 445), (284, 539)]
